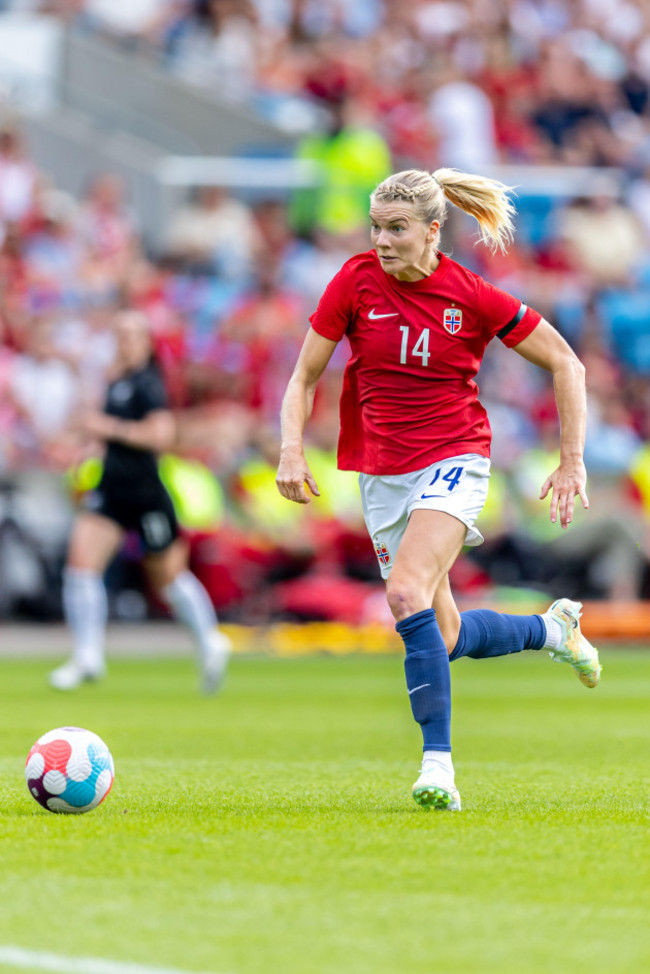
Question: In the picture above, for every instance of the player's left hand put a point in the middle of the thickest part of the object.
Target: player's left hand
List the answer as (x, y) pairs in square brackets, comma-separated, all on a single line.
[(566, 483)]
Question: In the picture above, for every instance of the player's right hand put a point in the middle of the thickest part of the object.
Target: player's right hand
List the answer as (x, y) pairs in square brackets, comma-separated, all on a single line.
[(293, 473)]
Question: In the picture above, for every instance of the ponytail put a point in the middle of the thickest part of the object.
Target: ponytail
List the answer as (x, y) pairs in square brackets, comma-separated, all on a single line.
[(487, 200)]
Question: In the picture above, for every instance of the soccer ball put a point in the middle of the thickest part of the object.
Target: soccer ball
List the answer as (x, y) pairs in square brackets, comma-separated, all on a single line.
[(69, 770)]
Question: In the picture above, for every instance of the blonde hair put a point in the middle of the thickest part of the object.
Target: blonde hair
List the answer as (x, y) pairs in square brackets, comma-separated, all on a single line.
[(487, 200)]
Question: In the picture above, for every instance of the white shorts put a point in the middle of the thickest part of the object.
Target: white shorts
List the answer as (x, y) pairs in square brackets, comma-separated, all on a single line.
[(456, 486)]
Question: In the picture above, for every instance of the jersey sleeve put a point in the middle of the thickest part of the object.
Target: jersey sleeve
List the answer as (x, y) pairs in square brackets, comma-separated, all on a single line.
[(333, 316), (151, 391), (505, 316)]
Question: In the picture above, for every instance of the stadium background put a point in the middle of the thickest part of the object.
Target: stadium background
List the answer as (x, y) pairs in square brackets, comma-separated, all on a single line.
[(210, 164)]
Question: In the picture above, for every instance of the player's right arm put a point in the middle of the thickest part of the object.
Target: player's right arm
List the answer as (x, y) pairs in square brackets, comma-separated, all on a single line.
[(293, 471)]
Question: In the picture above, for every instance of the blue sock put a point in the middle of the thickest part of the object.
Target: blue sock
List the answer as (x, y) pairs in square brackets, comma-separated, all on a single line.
[(427, 678), (484, 633)]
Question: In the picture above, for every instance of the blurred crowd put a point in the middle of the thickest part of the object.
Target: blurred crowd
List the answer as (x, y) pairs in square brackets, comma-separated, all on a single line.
[(471, 81), (229, 288)]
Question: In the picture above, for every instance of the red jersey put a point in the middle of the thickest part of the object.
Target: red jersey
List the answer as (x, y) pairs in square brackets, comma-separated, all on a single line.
[(409, 396)]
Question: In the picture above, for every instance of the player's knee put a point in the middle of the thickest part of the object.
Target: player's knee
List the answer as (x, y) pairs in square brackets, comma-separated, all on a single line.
[(405, 597)]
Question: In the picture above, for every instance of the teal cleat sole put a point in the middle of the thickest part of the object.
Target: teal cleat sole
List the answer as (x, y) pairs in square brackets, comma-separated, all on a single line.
[(431, 796)]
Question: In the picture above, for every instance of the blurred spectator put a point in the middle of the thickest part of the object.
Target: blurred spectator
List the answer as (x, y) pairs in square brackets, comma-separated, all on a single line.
[(638, 198), (510, 83), (311, 263), (353, 157), (18, 179), (106, 226), (612, 440), (14, 269), (53, 250), (255, 345), (84, 338), (213, 231), (214, 45), (604, 238), (8, 413), (45, 392), (463, 118)]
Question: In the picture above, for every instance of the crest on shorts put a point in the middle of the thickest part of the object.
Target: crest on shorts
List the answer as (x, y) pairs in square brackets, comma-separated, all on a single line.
[(382, 552), (452, 320)]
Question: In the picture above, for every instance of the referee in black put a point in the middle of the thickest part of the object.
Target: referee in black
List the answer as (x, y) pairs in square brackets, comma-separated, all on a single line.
[(135, 427)]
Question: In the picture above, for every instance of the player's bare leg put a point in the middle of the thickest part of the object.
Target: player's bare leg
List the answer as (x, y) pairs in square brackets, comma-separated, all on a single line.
[(431, 543), (447, 613)]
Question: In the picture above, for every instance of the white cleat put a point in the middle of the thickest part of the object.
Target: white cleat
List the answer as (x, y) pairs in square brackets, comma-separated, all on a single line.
[(575, 649), (71, 675), (430, 792), (214, 661)]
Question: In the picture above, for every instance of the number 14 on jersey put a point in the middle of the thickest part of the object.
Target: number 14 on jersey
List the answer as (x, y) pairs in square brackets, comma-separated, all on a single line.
[(420, 349)]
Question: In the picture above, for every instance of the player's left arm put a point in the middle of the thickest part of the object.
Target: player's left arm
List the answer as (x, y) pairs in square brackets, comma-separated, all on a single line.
[(156, 431), (546, 347)]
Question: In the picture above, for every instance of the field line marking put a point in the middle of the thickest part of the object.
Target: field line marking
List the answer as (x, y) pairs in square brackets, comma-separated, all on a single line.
[(35, 960)]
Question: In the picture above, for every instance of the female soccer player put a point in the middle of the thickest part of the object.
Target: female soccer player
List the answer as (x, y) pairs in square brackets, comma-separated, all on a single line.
[(135, 425), (412, 425)]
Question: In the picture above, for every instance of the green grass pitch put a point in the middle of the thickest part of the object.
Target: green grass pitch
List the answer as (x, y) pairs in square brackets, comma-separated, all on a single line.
[(270, 830)]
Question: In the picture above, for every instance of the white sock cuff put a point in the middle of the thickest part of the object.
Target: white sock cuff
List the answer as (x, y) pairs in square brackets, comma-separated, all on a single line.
[(80, 574), (553, 632), (178, 586), (439, 761)]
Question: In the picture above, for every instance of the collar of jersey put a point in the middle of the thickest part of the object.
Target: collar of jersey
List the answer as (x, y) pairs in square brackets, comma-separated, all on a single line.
[(426, 282)]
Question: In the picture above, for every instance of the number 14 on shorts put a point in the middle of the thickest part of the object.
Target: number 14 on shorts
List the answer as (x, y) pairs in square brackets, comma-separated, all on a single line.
[(451, 478)]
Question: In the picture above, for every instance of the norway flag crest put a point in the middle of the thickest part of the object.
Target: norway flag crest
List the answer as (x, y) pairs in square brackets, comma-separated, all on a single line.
[(382, 552), (452, 320)]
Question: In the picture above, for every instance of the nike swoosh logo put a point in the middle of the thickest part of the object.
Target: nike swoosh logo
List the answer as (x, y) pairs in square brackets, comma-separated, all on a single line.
[(426, 497), (373, 316), (421, 687)]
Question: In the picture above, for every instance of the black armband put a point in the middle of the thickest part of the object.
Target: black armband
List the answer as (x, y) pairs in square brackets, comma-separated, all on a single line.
[(513, 321)]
